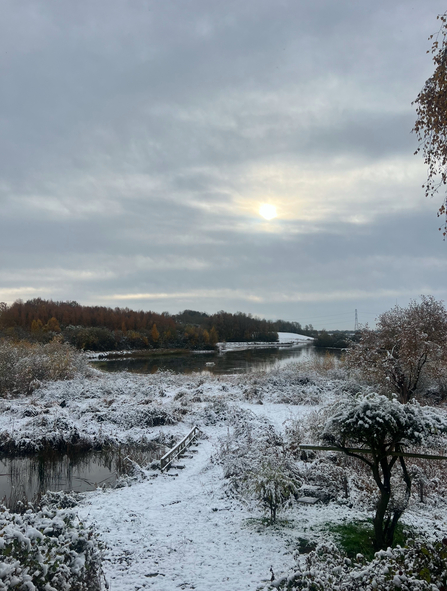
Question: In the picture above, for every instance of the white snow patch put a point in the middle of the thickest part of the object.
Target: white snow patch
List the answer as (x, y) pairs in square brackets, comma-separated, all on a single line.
[(292, 337), (285, 339)]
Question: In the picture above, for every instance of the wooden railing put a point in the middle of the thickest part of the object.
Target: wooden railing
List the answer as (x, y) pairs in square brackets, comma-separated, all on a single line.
[(181, 446), (362, 450)]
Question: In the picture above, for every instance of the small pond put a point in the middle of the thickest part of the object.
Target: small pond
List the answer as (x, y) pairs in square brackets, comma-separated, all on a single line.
[(230, 362), (22, 478)]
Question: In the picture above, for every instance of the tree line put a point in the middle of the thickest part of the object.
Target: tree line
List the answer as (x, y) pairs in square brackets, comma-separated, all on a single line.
[(100, 328)]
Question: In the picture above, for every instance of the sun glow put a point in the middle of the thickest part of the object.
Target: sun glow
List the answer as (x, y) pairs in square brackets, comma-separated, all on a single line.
[(268, 211)]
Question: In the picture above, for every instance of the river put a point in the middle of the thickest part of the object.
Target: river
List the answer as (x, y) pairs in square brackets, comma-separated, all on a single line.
[(229, 362)]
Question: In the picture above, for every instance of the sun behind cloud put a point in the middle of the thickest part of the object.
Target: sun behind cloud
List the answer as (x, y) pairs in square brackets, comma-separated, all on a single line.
[(268, 211)]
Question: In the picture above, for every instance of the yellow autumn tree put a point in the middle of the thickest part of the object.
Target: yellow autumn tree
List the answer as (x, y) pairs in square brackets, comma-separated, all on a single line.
[(36, 326), (214, 337), (155, 335), (52, 325)]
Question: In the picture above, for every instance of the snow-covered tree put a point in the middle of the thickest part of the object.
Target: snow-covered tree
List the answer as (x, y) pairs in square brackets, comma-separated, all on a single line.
[(408, 345), (271, 484), (256, 463), (384, 427)]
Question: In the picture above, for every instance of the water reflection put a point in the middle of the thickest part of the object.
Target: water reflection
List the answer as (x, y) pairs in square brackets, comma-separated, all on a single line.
[(230, 362), (25, 477)]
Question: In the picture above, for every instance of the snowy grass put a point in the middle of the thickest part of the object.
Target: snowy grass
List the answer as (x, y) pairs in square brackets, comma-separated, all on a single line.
[(25, 366), (125, 408)]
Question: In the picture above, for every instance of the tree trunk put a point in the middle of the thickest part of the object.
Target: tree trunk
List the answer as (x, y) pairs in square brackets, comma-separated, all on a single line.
[(379, 541), (390, 529), (384, 530)]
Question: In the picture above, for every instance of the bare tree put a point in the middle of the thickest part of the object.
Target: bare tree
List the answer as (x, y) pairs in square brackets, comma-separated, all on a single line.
[(408, 345)]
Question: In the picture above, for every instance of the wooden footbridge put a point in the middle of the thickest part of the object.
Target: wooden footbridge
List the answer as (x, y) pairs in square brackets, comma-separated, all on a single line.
[(181, 446)]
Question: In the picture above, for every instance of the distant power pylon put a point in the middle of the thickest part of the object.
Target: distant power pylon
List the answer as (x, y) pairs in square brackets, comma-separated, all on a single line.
[(356, 322)]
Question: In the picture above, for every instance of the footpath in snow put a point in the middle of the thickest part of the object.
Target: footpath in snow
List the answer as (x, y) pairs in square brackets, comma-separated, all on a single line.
[(172, 532)]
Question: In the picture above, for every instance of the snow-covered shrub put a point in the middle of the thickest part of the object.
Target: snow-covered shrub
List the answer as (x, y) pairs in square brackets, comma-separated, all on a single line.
[(328, 476), (294, 434), (141, 416), (60, 499), (271, 484), (419, 567), (23, 365), (216, 411), (290, 385), (256, 464), (48, 550), (309, 394)]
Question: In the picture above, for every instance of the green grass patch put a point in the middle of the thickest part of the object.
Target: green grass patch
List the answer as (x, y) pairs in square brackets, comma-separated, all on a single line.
[(357, 537), (305, 546)]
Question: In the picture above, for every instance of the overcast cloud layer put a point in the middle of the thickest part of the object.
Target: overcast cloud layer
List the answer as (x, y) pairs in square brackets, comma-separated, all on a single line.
[(138, 140)]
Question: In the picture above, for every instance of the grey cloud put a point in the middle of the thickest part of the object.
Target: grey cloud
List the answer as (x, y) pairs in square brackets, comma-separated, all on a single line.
[(130, 133)]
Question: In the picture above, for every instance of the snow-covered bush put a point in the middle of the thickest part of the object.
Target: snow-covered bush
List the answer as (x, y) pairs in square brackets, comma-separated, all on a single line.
[(271, 484), (152, 415), (294, 384), (256, 463), (245, 446), (215, 412), (329, 476), (422, 566), (48, 550), (23, 365)]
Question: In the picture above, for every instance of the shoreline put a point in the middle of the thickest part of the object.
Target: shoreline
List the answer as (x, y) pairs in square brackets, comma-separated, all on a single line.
[(285, 342)]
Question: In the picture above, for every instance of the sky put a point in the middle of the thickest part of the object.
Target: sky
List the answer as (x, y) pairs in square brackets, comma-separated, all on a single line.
[(139, 139)]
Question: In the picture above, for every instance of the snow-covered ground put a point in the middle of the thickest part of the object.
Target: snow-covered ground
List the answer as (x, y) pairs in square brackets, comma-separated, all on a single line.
[(288, 339), (184, 529), (126, 407), (292, 337), (183, 532)]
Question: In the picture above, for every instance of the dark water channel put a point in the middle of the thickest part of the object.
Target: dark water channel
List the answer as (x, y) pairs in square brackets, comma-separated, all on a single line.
[(23, 478), (230, 362)]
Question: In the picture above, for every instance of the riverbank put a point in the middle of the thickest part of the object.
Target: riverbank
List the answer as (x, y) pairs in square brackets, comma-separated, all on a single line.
[(121, 408)]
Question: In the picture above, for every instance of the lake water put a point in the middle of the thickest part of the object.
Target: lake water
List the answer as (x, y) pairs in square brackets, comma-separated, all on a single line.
[(230, 362)]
